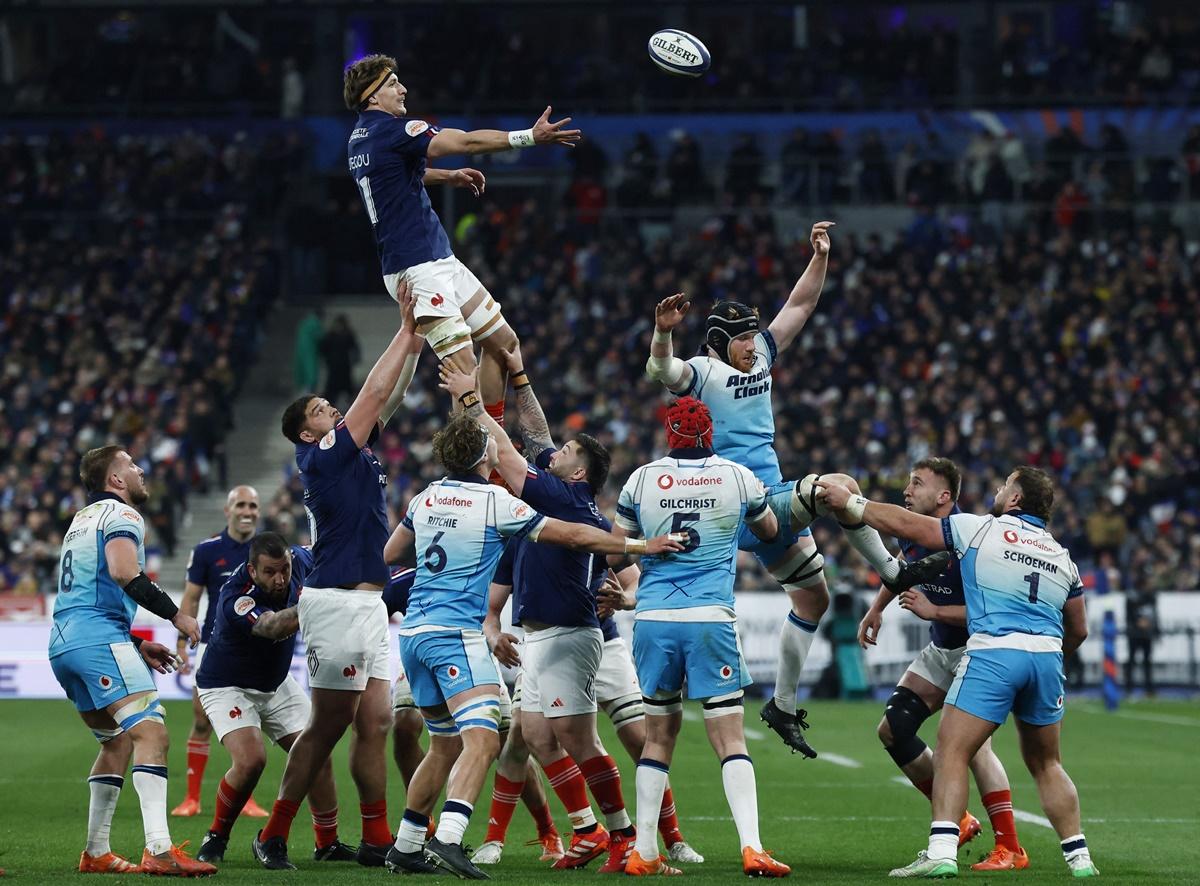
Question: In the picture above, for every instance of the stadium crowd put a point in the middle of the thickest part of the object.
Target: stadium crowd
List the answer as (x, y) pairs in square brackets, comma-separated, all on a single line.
[(781, 57), (121, 321), (1071, 354)]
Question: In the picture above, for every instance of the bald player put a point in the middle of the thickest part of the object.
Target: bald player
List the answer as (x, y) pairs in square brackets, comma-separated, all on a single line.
[(209, 565)]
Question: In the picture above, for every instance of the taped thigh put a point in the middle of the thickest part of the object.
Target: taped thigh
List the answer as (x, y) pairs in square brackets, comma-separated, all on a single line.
[(147, 707), (723, 705), (448, 336), (485, 319), (663, 703), (480, 712), (803, 568), (625, 710)]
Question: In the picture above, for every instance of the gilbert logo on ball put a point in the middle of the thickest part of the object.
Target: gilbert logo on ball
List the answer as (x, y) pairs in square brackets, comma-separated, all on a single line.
[(678, 52)]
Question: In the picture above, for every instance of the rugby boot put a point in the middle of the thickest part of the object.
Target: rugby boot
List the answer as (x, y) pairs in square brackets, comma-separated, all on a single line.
[(788, 727), (108, 863)]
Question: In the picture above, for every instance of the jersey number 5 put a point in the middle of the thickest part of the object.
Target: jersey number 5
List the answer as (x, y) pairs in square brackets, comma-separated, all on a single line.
[(435, 555), (680, 523)]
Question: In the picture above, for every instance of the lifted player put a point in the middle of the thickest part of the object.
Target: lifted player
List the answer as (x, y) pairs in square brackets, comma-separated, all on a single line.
[(209, 565), (246, 689), (387, 152), (733, 378), (932, 490)]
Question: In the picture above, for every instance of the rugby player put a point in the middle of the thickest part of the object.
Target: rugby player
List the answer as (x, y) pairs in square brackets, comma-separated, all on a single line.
[(209, 565), (685, 626), (341, 613), (388, 151), (932, 490), (1025, 610), (246, 688), (407, 726), (101, 584), (733, 378), (458, 526)]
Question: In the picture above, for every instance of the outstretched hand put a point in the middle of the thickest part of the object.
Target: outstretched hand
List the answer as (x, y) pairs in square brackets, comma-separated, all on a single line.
[(670, 312), (453, 380), (819, 238), (158, 657), (547, 133), (610, 597), (472, 179)]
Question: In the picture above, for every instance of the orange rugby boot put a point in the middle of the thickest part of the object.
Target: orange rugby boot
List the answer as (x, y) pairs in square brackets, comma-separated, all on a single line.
[(552, 846), (108, 863), (968, 829), (758, 863), (253, 810), (620, 847), (189, 807), (583, 848), (640, 867), (1001, 858), (176, 863)]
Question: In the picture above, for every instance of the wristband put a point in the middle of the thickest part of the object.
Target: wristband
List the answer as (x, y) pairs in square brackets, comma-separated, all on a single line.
[(469, 399), (520, 380), (150, 596), (660, 337), (521, 138), (136, 641), (183, 638), (635, 545), (855, 507)]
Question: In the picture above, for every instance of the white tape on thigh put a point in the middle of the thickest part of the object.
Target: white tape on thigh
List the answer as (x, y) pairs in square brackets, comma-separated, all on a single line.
[(448, 336), (803, 569), (488, 309), (723, 705), (480, 712), (662, 704), (625, 711)]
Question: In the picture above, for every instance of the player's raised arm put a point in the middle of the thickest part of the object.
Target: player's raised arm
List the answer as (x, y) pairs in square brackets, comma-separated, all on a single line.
[(189, 604), (663, 366), (489, 141), (534, 426), (804, 295), (121, 555), (581, 537), (388, 379), (399, 543), (888, 519), (512, 465)]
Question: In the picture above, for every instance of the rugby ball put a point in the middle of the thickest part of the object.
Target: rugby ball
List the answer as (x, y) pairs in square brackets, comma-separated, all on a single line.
[(678, 52)]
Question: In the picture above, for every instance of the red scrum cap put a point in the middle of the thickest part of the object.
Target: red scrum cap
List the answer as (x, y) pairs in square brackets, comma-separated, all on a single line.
[(689, 424)]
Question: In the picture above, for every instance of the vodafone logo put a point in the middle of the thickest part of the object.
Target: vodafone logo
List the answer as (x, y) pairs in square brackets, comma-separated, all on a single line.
[(726, 672), (105, 682), (700, 481), (452, 672), (1010, 536), (665, 481), (449, 501)]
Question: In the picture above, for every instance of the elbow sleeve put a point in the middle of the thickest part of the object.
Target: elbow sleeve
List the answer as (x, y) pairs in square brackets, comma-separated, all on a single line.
[(667, 370), (151, 597)]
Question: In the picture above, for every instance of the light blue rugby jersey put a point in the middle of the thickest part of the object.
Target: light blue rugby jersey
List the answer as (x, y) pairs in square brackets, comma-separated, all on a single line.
[(1016, 578), (706, 496), (740, 404), (461, 527), (91, 609)]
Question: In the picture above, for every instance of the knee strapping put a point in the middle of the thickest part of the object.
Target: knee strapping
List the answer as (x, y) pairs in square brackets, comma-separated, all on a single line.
[(442, 726), (485, 319), (905, 712), (805, 505), (723, 705), (106, 735), (147, 707), (662, 704), (801, 570), (480, 712), (624, 711), (448, 336)]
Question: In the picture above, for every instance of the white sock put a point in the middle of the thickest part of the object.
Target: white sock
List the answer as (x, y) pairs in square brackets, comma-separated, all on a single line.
[(411, 836), (651, 781), (1075, 847), (456, 815), (795, 640), (150, 782), (741, 791), (867, 542), (943, 841), (105, 789)]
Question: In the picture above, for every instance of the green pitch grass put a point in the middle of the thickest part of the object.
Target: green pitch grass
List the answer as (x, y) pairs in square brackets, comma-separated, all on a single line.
[(841, 819)]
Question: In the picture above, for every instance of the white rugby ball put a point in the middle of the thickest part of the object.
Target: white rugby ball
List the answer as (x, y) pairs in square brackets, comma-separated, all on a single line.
[(678, 52)]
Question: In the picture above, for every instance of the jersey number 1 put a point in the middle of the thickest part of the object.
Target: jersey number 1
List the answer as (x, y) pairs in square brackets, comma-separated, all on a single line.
[(1033, 578), (364, 185)]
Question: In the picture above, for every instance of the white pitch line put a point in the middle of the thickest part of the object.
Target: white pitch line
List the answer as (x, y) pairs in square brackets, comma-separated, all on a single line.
[(1169, 719), (1019, 814), (838, 760)]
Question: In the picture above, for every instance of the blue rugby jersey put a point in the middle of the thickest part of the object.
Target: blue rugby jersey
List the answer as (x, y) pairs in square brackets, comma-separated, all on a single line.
[(235, 657), (210, 563), (387, 159), (344, 496), (945, 590), (395, 592), (91, 609)]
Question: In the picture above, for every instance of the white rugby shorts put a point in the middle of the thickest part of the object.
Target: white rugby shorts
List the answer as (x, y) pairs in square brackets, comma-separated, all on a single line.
[(278, 714), (616, 677), (402, 697), (559, 671), (346, 633), (443, 288), (937, 665)]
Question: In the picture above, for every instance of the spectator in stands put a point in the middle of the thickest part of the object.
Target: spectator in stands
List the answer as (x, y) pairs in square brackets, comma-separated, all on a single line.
[(340, 353)]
